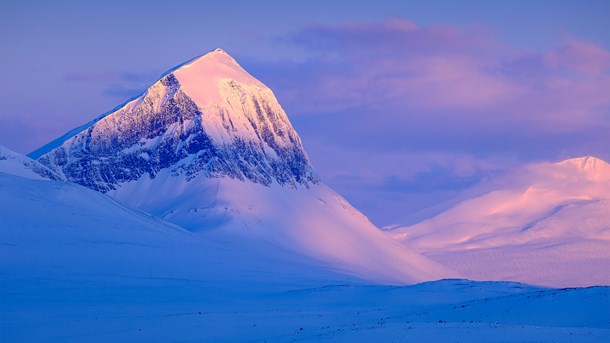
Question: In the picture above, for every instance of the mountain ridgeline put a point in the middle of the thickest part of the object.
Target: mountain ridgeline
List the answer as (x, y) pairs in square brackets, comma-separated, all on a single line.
[(207, 116)]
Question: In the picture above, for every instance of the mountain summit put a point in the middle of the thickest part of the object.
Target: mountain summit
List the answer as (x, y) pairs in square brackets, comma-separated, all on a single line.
[(205, 116), (595, 169), (209, 148)]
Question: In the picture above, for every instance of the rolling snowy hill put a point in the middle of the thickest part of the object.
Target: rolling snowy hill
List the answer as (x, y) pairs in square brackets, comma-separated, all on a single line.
[(546, 224), (209, 148)]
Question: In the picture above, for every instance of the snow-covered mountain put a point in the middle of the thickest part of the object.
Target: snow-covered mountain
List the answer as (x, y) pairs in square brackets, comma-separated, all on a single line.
[(209, 148), (545, 224), (207, 116)]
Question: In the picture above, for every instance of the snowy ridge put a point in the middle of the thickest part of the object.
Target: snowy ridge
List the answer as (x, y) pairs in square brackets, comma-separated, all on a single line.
[(60, 140), (16, 164), (595, 169), (206, 116)]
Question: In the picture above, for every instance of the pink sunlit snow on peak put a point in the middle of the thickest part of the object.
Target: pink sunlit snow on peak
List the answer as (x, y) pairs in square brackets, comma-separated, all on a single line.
[(200, 77)]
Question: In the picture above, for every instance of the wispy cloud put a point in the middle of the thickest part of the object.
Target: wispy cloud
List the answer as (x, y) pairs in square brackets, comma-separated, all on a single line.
[(397, 66)]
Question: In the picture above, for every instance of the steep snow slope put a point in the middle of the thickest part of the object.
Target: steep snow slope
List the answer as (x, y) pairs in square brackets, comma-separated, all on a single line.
[(65, 229), (208, 147), (546, 224), (312, 222)]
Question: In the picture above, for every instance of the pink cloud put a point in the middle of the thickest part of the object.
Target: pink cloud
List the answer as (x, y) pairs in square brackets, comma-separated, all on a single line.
[(391, 38), (455, 73), (457, 82)]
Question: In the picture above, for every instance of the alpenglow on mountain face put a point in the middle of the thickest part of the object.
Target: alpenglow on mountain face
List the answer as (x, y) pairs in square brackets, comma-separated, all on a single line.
[(207, 116)]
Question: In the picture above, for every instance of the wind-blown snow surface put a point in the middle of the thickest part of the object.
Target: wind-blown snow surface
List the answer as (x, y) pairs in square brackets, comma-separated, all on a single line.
[(547, 224), (209, 148), (77, 266)]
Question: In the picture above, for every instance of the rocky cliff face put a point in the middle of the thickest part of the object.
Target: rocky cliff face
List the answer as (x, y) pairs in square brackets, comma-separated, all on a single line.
[(207, 116)]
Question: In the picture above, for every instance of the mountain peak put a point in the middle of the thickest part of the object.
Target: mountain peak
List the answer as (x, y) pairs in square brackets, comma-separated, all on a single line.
[(594, 168), (215, 56), (219, 51), (207, 115), (201, 77)]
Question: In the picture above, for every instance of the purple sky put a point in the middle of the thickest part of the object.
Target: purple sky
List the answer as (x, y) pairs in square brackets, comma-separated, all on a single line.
[(400, 105)]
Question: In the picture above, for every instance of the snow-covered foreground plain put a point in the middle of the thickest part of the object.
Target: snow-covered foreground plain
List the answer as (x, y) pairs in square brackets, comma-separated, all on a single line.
[(132, 309), (77, 266)]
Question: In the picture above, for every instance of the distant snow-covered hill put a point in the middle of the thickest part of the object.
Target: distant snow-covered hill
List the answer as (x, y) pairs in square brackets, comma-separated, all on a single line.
[(545, 224), (209, 148)]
